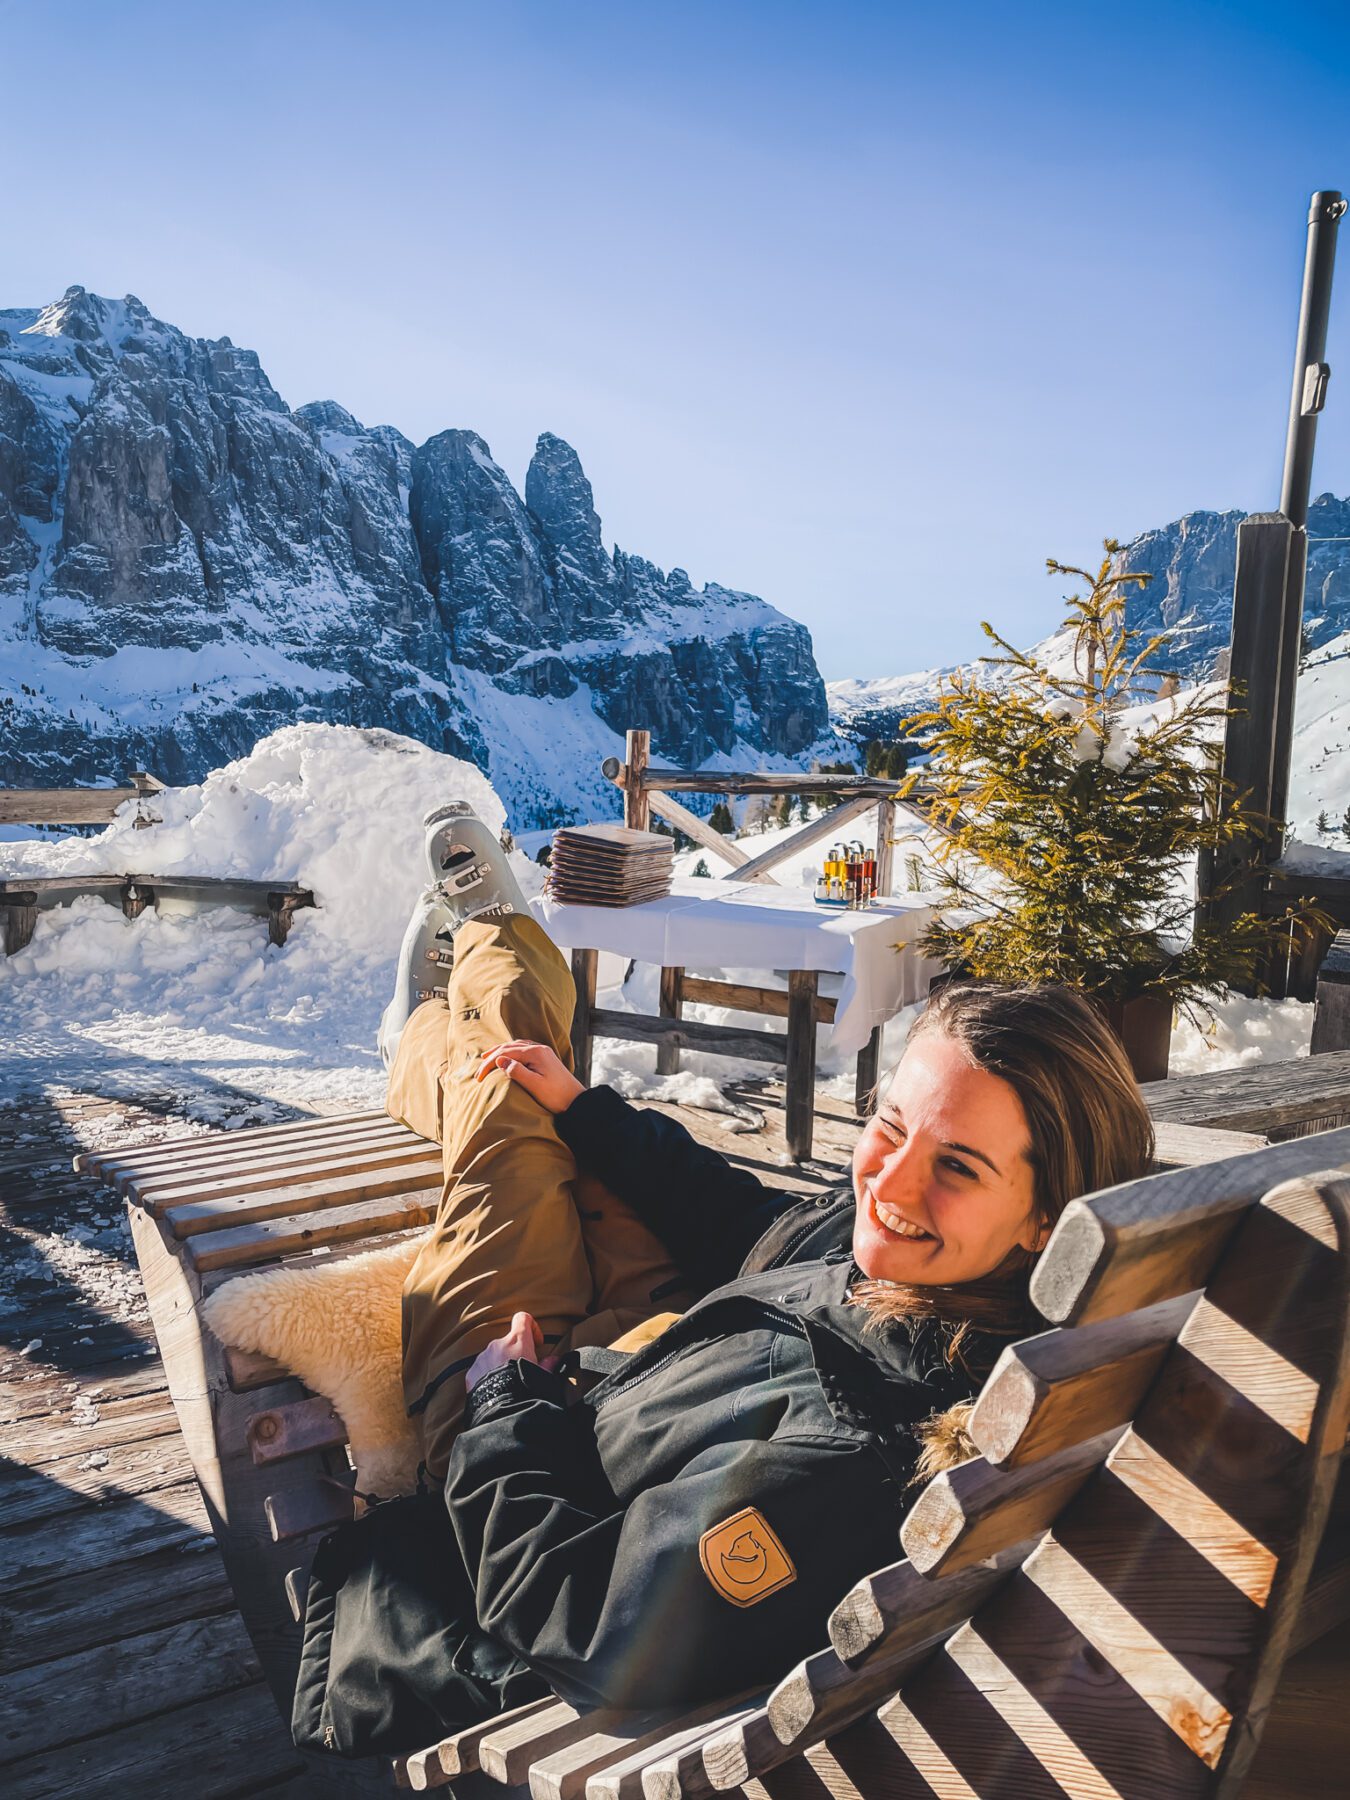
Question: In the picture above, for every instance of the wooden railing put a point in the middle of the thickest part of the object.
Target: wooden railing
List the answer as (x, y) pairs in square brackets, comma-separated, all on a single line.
[(646, 790), (74, 805)]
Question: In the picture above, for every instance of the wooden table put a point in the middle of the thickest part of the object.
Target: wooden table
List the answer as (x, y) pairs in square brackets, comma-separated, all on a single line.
[(743, 925)]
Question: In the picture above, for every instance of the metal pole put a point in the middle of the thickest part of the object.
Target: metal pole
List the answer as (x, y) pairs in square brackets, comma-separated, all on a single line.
[(1310, 371), (1307, 399)]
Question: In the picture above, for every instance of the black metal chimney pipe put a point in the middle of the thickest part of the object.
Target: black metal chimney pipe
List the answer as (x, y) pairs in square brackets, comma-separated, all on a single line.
[(1306, 402), (1310, 371)]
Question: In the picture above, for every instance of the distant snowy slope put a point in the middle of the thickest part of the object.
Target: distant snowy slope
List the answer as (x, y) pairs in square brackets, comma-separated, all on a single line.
[(1190, 596)]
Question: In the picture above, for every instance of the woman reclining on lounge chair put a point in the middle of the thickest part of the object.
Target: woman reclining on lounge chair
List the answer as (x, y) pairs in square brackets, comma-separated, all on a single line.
[(681, 1531)]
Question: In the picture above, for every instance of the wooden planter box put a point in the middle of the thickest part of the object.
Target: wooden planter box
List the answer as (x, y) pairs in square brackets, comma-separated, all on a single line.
[(1144, 1027)]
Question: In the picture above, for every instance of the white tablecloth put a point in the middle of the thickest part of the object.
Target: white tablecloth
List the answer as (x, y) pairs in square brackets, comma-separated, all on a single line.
[(708, 925)]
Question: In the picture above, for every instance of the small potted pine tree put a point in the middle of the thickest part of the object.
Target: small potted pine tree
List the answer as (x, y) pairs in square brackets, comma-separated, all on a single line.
[(1072, 810)]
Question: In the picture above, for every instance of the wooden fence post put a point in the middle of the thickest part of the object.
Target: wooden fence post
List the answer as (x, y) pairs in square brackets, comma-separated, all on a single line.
[(636, 812)]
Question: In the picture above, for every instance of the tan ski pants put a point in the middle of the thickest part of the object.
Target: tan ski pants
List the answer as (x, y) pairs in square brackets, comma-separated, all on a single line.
[(518, 1227)]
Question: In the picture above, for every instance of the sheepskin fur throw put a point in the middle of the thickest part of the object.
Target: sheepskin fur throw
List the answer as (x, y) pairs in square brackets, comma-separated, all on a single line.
[(338, 1326)]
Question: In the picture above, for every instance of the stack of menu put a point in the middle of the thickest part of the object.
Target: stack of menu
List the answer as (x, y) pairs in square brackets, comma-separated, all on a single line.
[(610, 865)]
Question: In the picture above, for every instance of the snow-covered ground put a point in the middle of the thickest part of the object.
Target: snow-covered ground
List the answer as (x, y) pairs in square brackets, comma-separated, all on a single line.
[(200, 1004)]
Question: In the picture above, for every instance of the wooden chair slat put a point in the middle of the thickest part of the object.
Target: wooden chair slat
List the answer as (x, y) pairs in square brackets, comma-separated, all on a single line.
[(656, 1769), (1147, 1240), (1063, 1387), (459, 1752), (321, 1257), (253, 1173), (740, 1752), (297, 1580), (102, 1162), (138, 1179), (505, 1754), (891, 1610), (246, 1371), (308, 1196), (975, 1510), (422, 1771), (284, 1431), (306, 1507), (563, 1773), (271, 1238), (909, 1745)]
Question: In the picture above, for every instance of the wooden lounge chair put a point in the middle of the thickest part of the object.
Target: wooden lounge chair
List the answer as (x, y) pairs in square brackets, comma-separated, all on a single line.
[(1098, 1605)]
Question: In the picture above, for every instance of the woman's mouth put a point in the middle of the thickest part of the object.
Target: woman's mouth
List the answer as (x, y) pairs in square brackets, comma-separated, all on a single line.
[(896, 1223)]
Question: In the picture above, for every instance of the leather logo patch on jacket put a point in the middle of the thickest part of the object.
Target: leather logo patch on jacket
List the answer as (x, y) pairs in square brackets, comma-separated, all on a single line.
[(743, 1558)]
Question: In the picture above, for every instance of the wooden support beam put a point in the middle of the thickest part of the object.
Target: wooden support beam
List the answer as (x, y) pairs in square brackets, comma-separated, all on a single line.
[(690, 1034), (679, 816), (829, 825), (885, 845), (136, 896), (66, 806), (718, 781), (868, 1073), (772, 1002)]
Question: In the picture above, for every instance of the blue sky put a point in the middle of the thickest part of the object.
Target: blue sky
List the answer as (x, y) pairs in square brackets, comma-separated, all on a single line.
[(866, 308)]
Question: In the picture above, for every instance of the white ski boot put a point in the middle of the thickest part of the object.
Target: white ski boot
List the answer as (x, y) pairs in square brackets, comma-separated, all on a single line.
[(473, 881), (423, 968), (469, 865)]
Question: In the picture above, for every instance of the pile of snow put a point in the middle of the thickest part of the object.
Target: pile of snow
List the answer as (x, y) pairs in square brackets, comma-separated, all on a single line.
[(202, 991)]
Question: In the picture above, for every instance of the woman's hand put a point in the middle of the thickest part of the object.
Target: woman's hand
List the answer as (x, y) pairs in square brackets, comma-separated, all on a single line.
[(538, 1070), (522, 1343)]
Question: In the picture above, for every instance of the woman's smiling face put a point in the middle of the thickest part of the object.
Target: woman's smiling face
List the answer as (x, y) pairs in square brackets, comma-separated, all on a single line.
[(942, 1173)]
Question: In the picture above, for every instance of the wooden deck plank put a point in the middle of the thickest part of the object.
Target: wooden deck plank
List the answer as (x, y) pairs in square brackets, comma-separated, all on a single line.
[(132, 1678), (105, 1605), (192, 1750)]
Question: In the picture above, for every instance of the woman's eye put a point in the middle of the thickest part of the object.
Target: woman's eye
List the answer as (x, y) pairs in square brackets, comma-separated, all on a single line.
[(960, 1168)]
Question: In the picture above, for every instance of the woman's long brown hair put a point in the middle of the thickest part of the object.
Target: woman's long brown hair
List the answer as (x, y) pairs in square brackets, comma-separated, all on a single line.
[(1087, 1120)]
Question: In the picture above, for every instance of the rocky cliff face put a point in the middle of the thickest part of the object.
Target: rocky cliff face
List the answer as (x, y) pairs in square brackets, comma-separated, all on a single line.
[(186, 563)]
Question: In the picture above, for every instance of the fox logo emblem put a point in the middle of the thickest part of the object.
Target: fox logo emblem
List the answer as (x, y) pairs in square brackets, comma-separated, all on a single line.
[(746, 1560), (743, 1558)]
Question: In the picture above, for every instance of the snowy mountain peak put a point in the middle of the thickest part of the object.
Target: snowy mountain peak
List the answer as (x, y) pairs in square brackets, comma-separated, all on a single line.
[(185, 564), (327, 415)]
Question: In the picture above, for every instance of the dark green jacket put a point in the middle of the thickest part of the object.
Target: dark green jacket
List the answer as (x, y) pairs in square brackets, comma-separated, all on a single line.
[(684, 1531), (681, 1532)]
